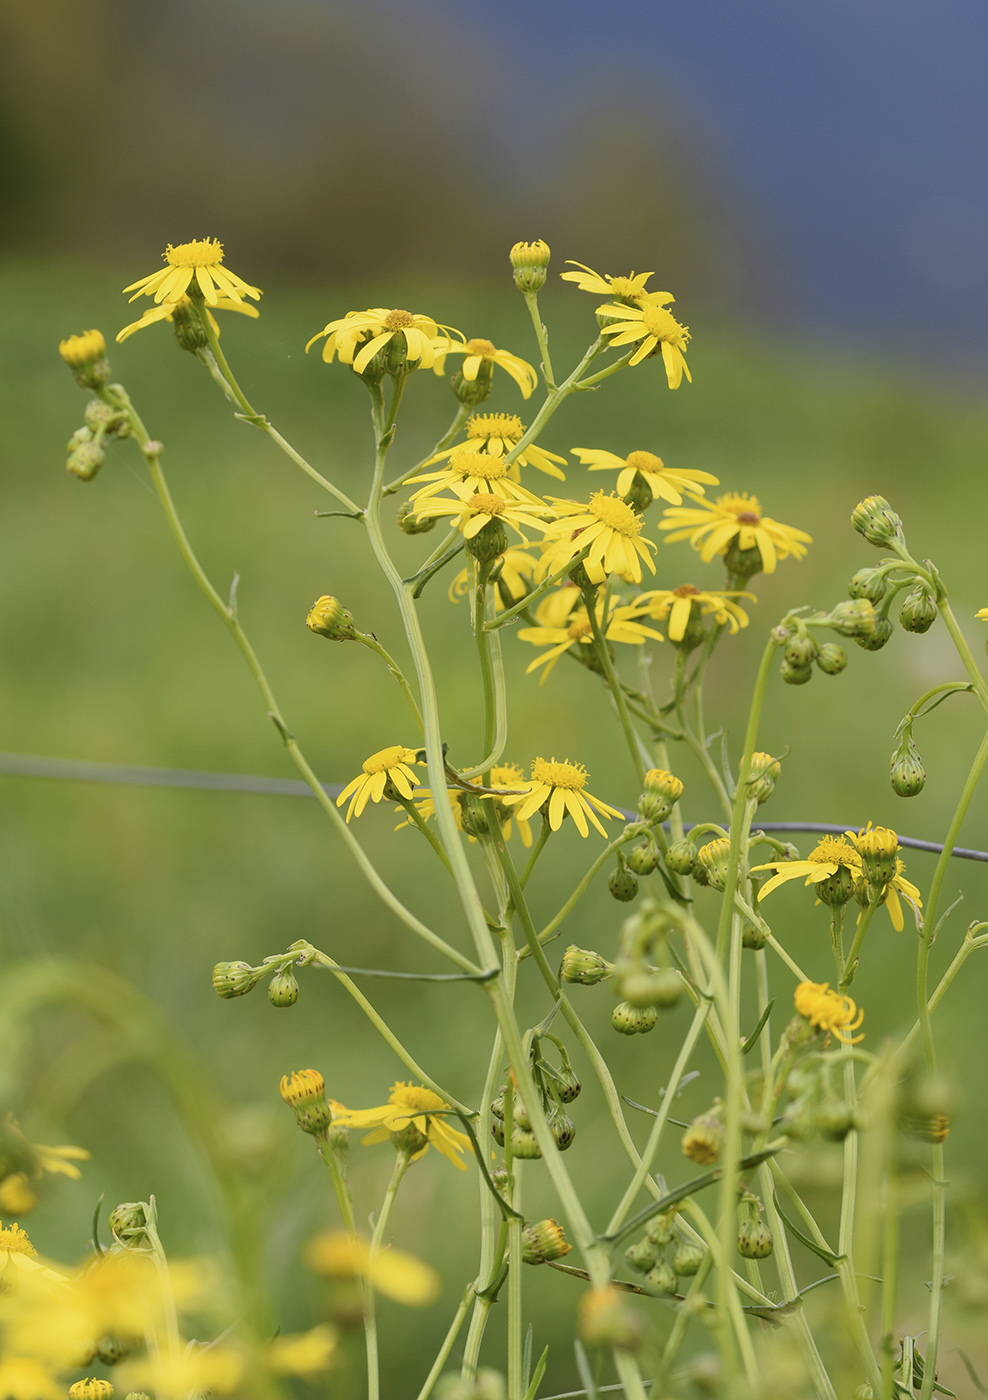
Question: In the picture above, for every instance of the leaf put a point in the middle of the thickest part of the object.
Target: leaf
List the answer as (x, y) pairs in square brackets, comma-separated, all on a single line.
[(583, 1366), (972, 1373), (532, 1390), (752, 1040), (818, 1249)]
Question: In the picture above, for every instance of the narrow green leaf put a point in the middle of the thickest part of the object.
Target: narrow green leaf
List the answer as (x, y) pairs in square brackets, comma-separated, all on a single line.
[(818, 1249), (533, 1389), (752, 1040)]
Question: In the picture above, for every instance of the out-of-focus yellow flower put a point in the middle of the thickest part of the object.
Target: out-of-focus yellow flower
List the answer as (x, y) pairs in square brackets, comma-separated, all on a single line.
[(712, 526), (564, 623), (509, 775), (677, 604), (394, 1273), (656, 328), (60, 1161), (411, 1104), (611, 529), (357, 336), (498, 433), (17, 1195), (829, 1011), (304, 1353), (515, 579), (166, 312), (484, 352), (200, 261), (184, 1370), (22, 1378), (561, 789), (19, 1263), (387, 766), (632, 287), (665, 483), (469, 470)]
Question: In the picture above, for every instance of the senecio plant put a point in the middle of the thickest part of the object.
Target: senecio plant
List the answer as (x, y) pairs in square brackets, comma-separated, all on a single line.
[(730, 1247)]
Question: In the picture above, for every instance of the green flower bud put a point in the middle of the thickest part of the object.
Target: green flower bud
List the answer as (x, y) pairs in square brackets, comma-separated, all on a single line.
[(658, 1230), (234, 979), (330, 618), (85, 460), (641, 1257), (283, 989), (497, 1107), (878, 522), (524, 1144), (582, 965), (99, 415), (919, 611), (305, 1093), (543, 1241), (878, 848), (869, 583), (743, 564), (622, 884), (128, 1219), (112, 1350), (568, 1085), (834, 1120), (520, 1114), (835, 890), (500, 1178), (801, 650), (661, 793), (681, 857), (753, 936), (409, 1139), (713, 860), (639, 496), (755, 1240), (687, 1259), (633, 1020), (643, 858), (879, 637), (703, 1140), (488, 542), (795, 675), (411, 524), (908, 774), (497, 1131), (832, 659), (529, 262), (661, 1279), (854, 619), (474, 392), (563, 1129), (765, 773)]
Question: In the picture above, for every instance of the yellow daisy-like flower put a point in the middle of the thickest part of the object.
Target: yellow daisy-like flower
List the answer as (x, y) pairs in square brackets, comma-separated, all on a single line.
[(677, 604), (509, 775), (411, 1104), (302, 1353), (656, 328), (468, 470), (560, 789), (394, 1273), (472, 514), (384, 769), (664, 484), (78, 351), (712, 526), (564, 623), (200, 261), (24, 1379), (829, 1011), (484, 352), (826, 857), (498, 433), (609, 526), (632, 287), (357, 336), (186, 1369), (878, 847), (166, 312)]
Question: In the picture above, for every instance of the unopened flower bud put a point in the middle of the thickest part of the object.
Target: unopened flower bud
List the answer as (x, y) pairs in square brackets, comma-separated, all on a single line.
[(754, 936), (473, 392), (801, 650), (713, 858), (568, 1085), (409, 1139), (856, 618), (879, 637), (622, 884), (529, 262), (661, 793), (687, 1259), (100, 415), (755, 1240), (643, 858), (793, 674), (765, 773), (500, 1178), (330, 618), (128, 1219), (606, 1319), (411, 524), (639, 495), (835, 890), (703, 1140), (832, 659), (661, 1279), (633, 1020), (563, 1129), (93, 1388), (834, 1120), (908, 774), (305, 1093), (283, 989), (878, 848), (919, 611), (234, 979), (877, 521), (641, 1257), (583, 965), (85, 460), (112, 1350), (524, 1143), (681, 857), (659, 1230), (870, 583), (543, 1241), (85, 356)]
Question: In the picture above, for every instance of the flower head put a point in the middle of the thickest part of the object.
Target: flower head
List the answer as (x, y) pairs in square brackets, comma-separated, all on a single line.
[(186, 1369), (829, 1011), (632, 287), (499, 433), (529, 262), (611, 529), (560, 789), (665, 484), (656, 328), (185, 307), (470, 469), (713, 526), (677, 604), (411, 1104), (826, 858), (564, 623), (881, 866), (388, 768), (359, 335), (483, 354), (200, 261), (394, 1273), (24, 1379), (81, 350), (473, 513)]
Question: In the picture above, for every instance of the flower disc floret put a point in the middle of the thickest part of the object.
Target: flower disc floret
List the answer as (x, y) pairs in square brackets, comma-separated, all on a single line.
[(665, 483), (829, 1011), (712, 526), (559, 788), (384, 768), (612, 530), (201, 262)]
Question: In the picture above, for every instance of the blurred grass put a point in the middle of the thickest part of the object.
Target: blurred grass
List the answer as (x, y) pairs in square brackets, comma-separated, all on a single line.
[(110, 653)]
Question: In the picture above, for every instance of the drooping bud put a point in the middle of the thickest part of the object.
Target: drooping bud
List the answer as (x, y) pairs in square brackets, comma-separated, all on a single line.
[(659, 1230), (633, 1020), (305, 1093), (801, 650), (583, 965), (643, 858), (622, 884), (908, 774), (563, 1129), (919, 611), (524, 1143), (755, 1240), (235, 979), (641, 1256), (543, 1241), (754, 936), (681, 857), (662, 1278), (529, 262), (283, 989), (793, 674), (703, 1139), (661, 793), (607, 1320), (330, 618), (85, 460), (832, 659), (878, 522), (128, 1219), (85, 356), (568, 1085), (687, 1259), (854, 619), (765, 773), (870, 583), (411, 524), (878, 849), (713, 858), (879, 637)]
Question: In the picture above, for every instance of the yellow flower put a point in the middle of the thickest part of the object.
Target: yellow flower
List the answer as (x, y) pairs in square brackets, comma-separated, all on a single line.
[(828, 1011), (631, 287), (509, 775), (469, 470), (481, 352), (411, 1104), (678, 603), (471, 515), (609, 526), (302, 1354), (982, 614), (200, 261), (498, 433), (17, 1195), (664, 484), (391, 1271), (387, 767), (560, 789), (713, 526), (371, 330), (78, 351), (166, 312), (881, 866), (304, 1086), (563, 623), (186, 1369), (656, 328), (515, 579), (92, 1388), (825, 859), (24, 1379), (60, 1161)]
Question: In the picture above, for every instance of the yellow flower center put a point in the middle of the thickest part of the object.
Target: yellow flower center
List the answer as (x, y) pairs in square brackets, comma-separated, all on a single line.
[(486, 465), (747, 510), (481, 347), (202, 252), (14, 1239), (686, 590), (486, 503), (834, 850), (398, 320), (383, 760), (612, 511), (507, 775), (560, 775), (415, 1098), (488, 425), (663, 324), (625, 287), (644, 461)]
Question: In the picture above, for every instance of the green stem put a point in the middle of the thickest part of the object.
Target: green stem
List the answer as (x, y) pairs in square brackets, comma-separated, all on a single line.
[(509, 614), (516, 1279), (417, 819), (845, 1244), (542, 336), (864, 919), (616, 689), (462, 413), (368, 640), (442, 1355), (544, 833), (344, 1200)]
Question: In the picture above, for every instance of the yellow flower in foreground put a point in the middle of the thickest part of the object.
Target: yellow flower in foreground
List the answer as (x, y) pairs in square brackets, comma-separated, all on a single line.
[(468, 470), (391, 1271), (411, 1104), (166, 312), (81, 350), (825, 859), (472, 514), (498, 433), (24, 1379), (665, 484), (484, 352), (302, 1354), (611, 529), (712, 526), (559, 788), (631, 287), (387, 767), (563, 623), (677, 604), (982, 614), (357, 336), (828, 1011), (199, 261), (183, 1370), (656, 328)]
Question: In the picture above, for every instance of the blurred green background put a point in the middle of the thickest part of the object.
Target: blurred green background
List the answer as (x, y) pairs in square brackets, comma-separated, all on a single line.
[(110, 653)]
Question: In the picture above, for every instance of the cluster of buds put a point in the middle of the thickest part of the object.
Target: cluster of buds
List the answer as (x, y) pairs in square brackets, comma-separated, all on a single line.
[(662, 1257), (814, 1109), (556, 1085), (529, 262), (329, 618), (85, 446), (661, 793), (236, 979), (801, 650), (643, 986), (543, 1242)]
